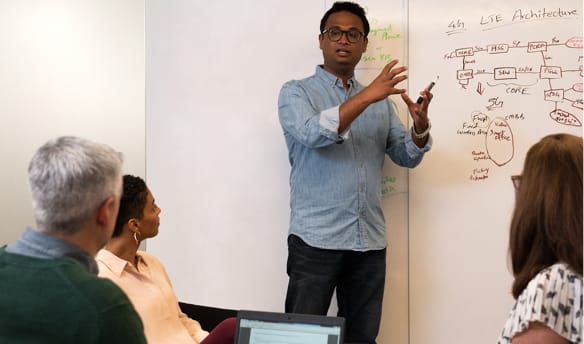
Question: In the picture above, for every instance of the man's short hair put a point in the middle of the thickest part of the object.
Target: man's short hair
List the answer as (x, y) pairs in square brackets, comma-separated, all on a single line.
[(69, 178), (346, 6)]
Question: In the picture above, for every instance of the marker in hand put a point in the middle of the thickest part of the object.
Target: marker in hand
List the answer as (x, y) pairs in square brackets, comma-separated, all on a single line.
[(420, 99)]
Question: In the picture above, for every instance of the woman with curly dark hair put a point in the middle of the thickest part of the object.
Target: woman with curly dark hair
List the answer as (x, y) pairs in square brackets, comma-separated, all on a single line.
[(143, 277)]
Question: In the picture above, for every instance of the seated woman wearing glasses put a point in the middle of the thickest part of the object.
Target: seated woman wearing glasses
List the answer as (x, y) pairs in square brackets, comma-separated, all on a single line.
[(545, 245), (143, 277)]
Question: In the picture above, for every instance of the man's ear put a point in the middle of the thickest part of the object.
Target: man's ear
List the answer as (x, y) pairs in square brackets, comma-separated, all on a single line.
[(366, 43), (320, 40), (107, 212)]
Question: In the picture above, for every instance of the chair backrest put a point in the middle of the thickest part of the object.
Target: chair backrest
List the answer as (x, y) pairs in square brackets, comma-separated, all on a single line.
[(207, 316)]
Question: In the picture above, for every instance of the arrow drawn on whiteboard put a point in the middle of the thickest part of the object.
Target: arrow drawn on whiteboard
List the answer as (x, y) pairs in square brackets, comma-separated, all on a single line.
[(480, 88)]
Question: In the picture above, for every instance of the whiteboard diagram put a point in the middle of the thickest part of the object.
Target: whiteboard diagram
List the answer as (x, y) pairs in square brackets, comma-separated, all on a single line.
[(542, 69)]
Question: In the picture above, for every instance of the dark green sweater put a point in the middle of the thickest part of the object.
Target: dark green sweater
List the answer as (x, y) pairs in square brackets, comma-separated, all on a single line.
[(59, 301)]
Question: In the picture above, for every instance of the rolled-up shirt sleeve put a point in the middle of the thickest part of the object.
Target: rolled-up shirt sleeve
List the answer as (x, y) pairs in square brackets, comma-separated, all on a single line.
[(329, 120), (301, 120)]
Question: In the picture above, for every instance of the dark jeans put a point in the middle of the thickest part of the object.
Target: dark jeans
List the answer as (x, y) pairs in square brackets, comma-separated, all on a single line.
[(359, 278)]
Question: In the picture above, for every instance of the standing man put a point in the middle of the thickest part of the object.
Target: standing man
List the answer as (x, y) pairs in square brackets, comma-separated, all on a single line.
[(49, 289), (338, 132)]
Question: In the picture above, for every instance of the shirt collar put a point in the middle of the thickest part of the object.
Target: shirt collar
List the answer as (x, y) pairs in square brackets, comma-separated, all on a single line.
[(331, 78), (42, 245), (116, 264)]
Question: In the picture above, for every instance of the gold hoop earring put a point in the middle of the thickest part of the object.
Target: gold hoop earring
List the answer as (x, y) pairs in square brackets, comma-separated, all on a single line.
[(136, 237)]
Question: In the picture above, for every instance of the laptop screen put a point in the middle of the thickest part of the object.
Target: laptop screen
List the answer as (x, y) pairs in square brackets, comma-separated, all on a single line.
[(255, 327)]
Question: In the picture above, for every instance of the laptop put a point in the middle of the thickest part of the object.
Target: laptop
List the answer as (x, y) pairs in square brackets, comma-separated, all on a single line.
[(258, 327)]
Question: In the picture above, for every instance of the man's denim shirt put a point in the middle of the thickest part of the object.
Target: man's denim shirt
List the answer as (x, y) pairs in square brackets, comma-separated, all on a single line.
[(41, 245), (335, 178)]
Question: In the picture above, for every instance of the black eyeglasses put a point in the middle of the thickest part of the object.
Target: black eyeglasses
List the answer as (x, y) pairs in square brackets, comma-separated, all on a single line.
[(516, 180), (334, 34)]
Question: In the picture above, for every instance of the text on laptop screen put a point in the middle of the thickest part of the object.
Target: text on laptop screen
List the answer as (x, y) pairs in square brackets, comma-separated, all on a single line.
[(266, 332)]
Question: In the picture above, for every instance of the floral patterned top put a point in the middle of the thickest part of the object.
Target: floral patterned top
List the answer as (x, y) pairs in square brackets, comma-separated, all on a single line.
[(554, 298)]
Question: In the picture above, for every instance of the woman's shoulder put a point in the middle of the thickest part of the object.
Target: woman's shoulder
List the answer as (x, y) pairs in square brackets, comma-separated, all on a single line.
[(148, 256), (554, 297), (556, 288), (556, 277), (150, 259)]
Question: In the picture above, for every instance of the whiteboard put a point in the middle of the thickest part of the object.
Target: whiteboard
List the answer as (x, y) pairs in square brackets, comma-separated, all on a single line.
[(510, 73), (217, 162)]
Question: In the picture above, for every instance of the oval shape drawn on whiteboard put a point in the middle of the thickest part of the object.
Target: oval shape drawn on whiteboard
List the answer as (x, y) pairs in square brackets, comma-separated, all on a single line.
[(577, 87), (566, 118), (499, 142), (574, 42)]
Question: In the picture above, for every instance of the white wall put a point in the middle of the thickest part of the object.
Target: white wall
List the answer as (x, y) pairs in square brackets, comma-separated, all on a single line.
[(67, 67)]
